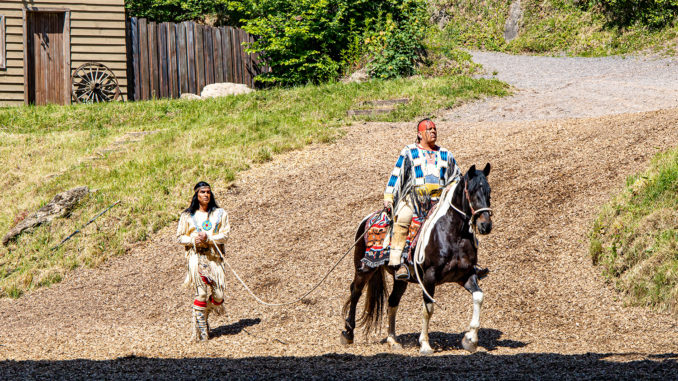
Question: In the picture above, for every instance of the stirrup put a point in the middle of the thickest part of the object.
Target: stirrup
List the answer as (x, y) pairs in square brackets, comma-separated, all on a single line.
[(402, 273), (481, 272)]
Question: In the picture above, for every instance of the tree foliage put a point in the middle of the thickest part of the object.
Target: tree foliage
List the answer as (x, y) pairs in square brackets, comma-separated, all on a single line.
[(652, 13), (184, 10), (313, 41), (317, 40)]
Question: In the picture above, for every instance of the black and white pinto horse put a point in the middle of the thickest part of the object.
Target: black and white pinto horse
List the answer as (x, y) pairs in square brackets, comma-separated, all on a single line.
[(448, 252)]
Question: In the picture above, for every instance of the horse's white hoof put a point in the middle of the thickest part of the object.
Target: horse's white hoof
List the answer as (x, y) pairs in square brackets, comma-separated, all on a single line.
[(426, 350), (469, 345)]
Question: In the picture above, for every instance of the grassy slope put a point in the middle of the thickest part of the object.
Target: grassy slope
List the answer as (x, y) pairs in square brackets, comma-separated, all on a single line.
[(46, 150), (550, 26), (635, 238)]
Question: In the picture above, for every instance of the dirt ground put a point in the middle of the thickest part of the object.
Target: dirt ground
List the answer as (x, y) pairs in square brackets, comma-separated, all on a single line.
[(548, 313)]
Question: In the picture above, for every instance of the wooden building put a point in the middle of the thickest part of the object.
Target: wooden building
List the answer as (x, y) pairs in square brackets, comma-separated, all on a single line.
[(42, 42)]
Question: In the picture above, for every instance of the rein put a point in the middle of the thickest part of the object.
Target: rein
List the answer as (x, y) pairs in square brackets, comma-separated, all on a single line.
[(260, 301), (473, 229)]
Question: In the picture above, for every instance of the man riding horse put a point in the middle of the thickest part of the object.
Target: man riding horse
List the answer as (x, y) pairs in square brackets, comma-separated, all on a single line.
[(420, 172)]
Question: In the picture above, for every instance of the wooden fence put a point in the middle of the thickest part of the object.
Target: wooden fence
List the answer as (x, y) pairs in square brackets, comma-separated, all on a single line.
[(168, 59)]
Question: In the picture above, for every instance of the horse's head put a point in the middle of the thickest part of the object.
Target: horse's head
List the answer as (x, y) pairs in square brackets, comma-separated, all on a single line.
[(477, 198)]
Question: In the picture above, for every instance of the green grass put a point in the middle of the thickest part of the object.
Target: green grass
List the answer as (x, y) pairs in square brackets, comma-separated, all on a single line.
[(47, 150), (551, 27), (635, 238)]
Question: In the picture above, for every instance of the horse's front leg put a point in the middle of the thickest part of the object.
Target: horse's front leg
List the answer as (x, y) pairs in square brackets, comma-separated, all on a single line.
[(399, 287), (470, 340), (429, 285)]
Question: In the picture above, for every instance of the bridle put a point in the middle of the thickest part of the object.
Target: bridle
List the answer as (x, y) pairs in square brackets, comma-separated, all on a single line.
[(474, 213)]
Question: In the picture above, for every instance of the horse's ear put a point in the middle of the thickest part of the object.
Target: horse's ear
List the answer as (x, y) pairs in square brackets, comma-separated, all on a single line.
[(471, 171), (486, 170)]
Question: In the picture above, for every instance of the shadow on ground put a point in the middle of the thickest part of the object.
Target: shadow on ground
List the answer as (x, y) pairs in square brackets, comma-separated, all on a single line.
[(442, 341), (348, 366), (233, 329)]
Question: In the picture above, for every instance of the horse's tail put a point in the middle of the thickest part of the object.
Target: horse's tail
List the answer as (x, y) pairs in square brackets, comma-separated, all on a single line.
[(376, 289), (358, 253), (374, 301)]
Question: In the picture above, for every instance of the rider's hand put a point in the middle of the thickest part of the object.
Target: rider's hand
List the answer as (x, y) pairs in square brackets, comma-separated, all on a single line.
[(388, 204)]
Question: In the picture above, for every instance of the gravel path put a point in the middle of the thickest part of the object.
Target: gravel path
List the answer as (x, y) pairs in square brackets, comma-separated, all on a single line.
[(547, 313), (573, 87)]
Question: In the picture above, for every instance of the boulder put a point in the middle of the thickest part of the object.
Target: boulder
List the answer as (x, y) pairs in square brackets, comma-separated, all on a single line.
[(224, 89), (189, 96), (357, 76), (60, 206), (512, 26)]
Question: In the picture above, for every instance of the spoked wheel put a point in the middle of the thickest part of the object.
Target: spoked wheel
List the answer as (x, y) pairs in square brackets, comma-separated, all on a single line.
[(93, 82)]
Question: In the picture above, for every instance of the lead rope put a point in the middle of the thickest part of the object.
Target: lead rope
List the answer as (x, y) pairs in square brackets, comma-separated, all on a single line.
[(260, 301)]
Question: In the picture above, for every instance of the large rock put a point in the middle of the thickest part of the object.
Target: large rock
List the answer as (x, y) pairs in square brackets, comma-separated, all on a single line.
[(512, 25), (223, 89), (60, 206), (189, 96)]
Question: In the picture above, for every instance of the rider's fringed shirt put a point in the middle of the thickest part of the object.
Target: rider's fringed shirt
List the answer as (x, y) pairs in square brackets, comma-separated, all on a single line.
[(421, 169), (204, 264)]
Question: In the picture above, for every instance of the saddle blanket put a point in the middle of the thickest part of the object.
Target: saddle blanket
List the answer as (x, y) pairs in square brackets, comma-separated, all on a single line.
[(377, 239)]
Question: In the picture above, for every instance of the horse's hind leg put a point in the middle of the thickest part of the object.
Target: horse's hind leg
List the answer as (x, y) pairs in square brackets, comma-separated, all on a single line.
[(399, 287), (470, 340), (359, 282)]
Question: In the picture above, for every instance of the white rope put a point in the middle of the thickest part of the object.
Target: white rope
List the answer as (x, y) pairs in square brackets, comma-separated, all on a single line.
[(418, 257), (260, 301)]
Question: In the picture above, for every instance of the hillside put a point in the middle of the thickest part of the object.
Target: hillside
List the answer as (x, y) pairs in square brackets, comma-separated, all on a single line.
[(150, 154), (571, 27)]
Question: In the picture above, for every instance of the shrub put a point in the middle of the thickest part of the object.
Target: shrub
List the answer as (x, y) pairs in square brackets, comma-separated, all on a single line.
[(397, 45), (312, 41), (653, 13)]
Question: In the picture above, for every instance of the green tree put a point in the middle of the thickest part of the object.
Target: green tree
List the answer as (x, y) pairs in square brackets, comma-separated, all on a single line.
[(315, 40)]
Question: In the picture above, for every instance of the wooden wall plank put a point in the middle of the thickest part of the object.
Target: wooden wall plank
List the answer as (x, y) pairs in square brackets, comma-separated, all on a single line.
[(153, 60), (199, 58), (162, 61), (238, 54), (218, 56), (227, 56), (234, 55), (208, 53), (182, 58), (190, 51), (173, 71), (133, 28), (145, 75)]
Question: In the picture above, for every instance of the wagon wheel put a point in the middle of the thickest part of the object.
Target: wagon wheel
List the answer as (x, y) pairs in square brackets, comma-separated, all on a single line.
[(93, 82)]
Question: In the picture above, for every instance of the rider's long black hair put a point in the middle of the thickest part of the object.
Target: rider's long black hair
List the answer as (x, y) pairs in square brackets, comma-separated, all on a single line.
[(195, 204)]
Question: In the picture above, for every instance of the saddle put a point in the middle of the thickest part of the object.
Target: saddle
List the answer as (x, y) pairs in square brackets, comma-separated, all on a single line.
[(378, 236)]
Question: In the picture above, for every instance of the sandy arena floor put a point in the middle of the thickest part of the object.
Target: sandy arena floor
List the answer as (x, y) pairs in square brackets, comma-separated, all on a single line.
[(548, 312)]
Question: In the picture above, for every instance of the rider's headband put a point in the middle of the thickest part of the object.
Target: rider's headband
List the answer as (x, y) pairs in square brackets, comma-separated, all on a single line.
[(425, 125)]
